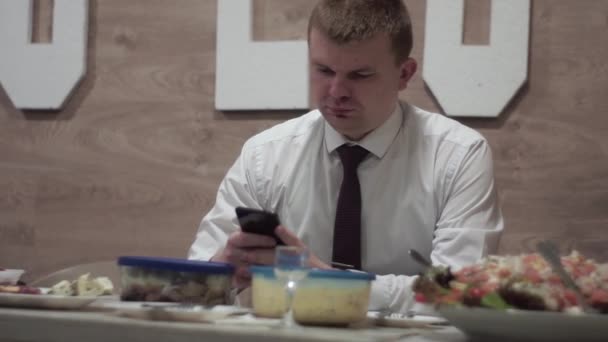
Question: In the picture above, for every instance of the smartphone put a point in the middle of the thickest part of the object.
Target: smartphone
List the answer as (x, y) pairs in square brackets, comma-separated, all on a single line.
[(258, 222)]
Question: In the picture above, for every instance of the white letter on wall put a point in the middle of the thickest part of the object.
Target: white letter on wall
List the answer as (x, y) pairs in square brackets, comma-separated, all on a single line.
[(256, 75), (476, 80), (42, 76)]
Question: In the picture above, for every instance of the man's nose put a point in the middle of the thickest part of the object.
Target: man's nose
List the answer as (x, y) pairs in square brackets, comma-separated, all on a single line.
[(338, 88)]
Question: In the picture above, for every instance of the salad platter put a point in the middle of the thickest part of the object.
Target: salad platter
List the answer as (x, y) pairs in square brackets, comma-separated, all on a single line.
[(526, 325), (520, 298)]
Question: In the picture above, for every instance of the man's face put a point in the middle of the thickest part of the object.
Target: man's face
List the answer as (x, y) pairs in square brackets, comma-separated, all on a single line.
[(356, 85)]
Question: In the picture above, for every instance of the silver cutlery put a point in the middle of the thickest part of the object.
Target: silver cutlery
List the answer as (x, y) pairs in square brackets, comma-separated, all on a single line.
[(549, 251), (342, 266), (420, 259)]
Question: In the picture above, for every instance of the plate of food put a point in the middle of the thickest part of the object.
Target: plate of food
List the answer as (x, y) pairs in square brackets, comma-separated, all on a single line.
[(164, 311), (400, 320), (44, 301), (485, 324), (64, 295), (520, 298)]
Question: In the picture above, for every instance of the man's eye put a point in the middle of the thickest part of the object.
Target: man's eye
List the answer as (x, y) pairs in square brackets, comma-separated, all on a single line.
[(359, 76), (325, 71)]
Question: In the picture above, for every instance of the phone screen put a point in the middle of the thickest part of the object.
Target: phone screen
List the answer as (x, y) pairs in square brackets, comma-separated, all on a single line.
[(258, 222)]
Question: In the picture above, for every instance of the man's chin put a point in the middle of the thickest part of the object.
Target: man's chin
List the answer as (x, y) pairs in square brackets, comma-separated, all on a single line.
[(346, 129)]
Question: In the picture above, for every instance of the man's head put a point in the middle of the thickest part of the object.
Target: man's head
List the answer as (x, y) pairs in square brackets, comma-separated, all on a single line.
[(359, 55), (346, 21)]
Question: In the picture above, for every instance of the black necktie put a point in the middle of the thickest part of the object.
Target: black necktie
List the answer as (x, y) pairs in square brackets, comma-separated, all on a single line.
[(347, 228)]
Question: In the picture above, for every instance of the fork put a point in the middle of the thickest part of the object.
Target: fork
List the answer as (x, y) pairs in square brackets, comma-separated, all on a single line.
[(179, 306), (549, 251), (420, 259)]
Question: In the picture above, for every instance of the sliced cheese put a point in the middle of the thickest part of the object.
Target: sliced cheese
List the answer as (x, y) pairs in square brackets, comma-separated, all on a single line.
[(84, 286), (87, 287), (63, 288), (105, 284)]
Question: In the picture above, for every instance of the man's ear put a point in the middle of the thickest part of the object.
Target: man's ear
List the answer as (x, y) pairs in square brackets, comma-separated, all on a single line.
[(407, 69)]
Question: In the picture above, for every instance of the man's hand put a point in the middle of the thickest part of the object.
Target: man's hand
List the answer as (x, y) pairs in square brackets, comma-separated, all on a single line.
[(243, 250), (290, 239)]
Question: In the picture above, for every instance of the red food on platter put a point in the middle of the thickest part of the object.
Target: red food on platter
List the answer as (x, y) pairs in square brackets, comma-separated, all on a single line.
[(523, 282)]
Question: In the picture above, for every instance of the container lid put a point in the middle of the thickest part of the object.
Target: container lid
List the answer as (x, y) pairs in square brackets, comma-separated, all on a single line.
[(268, 271), (173, 264)]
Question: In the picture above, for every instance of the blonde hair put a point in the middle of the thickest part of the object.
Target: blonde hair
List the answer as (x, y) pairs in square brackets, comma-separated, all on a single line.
[(345, 21)]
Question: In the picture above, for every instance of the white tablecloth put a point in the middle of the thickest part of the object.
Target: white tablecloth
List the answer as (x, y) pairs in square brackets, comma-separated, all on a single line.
[(25, 325)]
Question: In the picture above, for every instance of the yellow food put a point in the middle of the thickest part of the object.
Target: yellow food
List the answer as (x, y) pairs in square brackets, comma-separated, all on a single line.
[(318, 301), (63, 288)]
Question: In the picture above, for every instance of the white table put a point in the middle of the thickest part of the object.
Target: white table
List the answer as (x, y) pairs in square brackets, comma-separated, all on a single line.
[(29, 325)]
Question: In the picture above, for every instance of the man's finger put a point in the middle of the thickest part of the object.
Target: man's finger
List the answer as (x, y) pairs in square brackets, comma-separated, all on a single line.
[(261, 256), (242, 277), (248, 240), (289, 238), (236, 256), (242, 272)]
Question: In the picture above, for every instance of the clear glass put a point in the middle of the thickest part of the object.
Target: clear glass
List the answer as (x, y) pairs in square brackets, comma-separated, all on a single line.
[(290, 266)]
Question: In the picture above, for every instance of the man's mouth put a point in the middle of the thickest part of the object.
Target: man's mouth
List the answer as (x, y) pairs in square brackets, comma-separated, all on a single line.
[(339, 111)]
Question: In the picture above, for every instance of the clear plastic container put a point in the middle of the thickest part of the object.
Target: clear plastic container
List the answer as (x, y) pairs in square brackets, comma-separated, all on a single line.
[(325, 297), (175, 280)]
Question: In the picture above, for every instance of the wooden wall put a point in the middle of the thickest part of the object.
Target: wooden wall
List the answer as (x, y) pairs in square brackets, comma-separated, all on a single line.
[(134, 160)]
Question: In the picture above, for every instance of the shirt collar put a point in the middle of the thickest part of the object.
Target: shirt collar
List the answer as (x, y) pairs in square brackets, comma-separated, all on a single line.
[(377, 141)]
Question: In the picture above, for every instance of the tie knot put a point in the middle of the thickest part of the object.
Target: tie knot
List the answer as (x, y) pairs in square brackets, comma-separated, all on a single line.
[(351, 156)]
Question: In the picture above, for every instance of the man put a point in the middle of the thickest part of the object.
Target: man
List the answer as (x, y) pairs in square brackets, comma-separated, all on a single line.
[(425, 182)]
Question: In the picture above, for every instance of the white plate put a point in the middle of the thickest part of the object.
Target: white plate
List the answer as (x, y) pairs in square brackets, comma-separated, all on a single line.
[(44, 301), (509, 325), (175, 312), (403, 321)]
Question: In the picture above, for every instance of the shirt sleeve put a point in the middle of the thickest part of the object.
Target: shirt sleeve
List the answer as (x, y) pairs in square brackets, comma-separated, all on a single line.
[(470, 223), (468, 227), (394, 293), (391, 292), (236, 189)]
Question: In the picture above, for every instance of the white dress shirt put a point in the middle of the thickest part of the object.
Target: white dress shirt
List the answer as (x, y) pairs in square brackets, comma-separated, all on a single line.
[(426, 184)]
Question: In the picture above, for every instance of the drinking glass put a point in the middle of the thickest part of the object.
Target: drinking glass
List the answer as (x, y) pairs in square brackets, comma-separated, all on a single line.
[(291, 266)]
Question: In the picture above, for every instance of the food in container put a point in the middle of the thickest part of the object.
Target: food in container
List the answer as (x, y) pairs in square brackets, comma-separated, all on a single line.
[(175, 280), (519, 281), (325, 297)]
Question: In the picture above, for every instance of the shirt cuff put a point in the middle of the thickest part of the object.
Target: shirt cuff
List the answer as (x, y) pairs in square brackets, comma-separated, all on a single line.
[(392, 292), (380, 294)]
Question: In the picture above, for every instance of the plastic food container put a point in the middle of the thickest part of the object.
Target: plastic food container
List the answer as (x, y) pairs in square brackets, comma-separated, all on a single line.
[(175, 280), (325, 297)]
